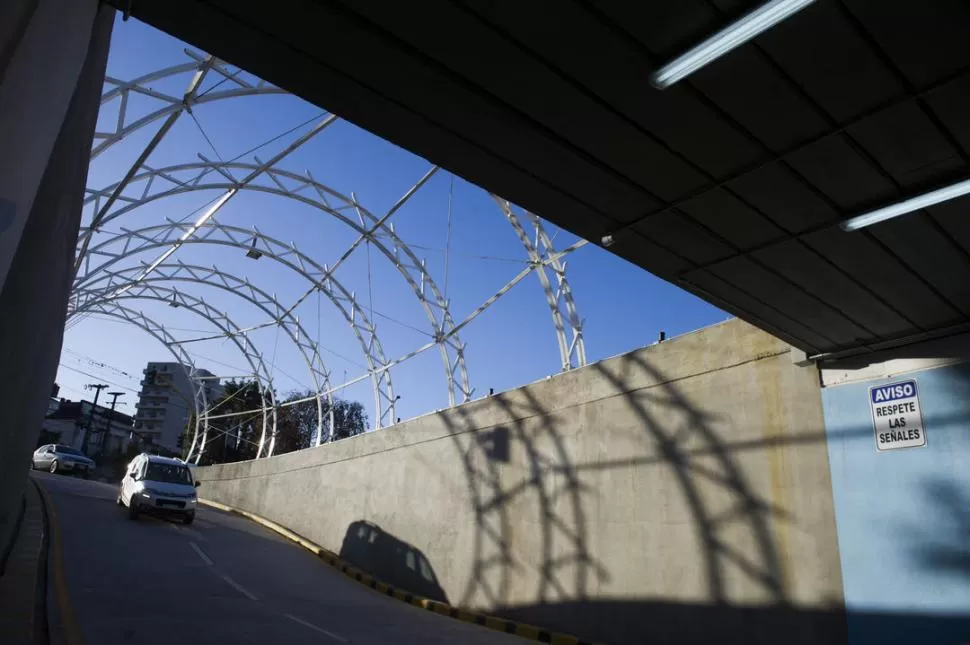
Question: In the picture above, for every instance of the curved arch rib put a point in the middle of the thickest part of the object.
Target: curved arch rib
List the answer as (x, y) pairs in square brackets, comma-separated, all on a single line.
[(208, 175), (262, 300), (132, 242), (149, 325), (224, 324), (121, 90), (572, 351)]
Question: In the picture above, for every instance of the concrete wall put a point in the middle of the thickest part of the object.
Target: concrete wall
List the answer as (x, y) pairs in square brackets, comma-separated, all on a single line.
[(904, 515), (676, 494)]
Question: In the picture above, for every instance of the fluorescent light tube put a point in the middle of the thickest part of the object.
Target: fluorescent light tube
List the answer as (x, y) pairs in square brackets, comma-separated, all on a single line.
[(937, 196), (734, 35)]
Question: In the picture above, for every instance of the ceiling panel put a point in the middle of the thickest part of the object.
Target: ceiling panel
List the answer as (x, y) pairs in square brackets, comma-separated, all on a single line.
[(926, 41), (906, 143), (954, 218), (771, 287), (884, 275), (731, 218), (802, 266), (836, 168), (675, 230), (665, 28), (794, 330), (776, 191), (950, 104), (752, 93), (824, 55), (921, 244)]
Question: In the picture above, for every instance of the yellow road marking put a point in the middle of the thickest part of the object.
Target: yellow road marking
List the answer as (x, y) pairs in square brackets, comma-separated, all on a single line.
[(56, 558)]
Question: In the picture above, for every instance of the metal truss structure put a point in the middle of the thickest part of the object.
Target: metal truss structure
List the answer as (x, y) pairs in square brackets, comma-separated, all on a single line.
[(158, 332), (112, 250), (199, 66), (226, 327), (99, 282), (207, 176), (109, 282), (572, 349)]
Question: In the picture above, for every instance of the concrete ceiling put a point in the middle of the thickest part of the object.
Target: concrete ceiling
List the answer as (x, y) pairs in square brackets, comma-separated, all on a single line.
[(730, 184)]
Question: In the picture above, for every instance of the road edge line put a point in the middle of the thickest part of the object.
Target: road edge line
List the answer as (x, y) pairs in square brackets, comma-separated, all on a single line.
[(69, 622), (40, 621), (523, 630)]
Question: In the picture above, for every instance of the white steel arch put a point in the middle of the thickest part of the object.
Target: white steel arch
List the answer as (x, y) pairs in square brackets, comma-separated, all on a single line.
[(572, 350), (128, 243), (207, 175), (149, 325), (149, 184), (222, 322), (200, 65), (108, 283)]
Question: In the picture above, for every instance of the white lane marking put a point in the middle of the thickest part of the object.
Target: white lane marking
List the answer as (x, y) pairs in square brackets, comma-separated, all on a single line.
[(178, 528), (201, 553), (198, 536), (238, 587), (315, 628)]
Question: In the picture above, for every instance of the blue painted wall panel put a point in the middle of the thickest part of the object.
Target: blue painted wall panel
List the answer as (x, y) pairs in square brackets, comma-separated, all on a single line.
[(903, 517)]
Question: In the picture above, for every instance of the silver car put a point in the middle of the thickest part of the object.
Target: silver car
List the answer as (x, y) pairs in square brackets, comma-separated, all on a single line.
[(57, 458)]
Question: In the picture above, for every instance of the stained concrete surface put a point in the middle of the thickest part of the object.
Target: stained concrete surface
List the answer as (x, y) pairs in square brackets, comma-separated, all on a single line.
[(680, 490), (222, 580)]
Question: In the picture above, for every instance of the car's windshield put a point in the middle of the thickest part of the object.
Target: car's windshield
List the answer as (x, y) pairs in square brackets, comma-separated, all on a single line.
[(168, 474), (64, 450)]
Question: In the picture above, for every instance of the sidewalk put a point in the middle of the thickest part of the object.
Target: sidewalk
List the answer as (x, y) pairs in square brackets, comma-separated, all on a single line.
[(22, 619)]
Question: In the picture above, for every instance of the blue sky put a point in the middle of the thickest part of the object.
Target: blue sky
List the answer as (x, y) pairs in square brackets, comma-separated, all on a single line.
[(510, 344)]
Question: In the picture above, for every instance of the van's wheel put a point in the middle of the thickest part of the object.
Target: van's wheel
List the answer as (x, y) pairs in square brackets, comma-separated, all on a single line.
[(118, 501), (132, 509), (53, 468), (188, 518)]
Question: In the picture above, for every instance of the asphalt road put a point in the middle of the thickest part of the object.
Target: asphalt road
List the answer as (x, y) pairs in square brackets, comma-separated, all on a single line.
[(222, 580)]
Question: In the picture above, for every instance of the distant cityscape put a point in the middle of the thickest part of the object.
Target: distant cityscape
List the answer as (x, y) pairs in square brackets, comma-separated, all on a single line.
[(162, 413)]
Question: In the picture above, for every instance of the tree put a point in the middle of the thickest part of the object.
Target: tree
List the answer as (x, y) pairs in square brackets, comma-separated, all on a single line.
[(296, 424), (349, 419), (236, 438)]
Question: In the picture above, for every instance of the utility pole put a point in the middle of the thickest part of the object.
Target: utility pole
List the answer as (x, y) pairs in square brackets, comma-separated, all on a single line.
[(107, 428), (97, 387)]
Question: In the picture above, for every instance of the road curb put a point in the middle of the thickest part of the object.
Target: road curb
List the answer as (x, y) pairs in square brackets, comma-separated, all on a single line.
[(444, 609), (68, 631)]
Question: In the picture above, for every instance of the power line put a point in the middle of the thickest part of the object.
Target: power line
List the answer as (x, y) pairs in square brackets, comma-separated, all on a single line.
[(468, 255), (94, 376), (96, 363), (205, 136)]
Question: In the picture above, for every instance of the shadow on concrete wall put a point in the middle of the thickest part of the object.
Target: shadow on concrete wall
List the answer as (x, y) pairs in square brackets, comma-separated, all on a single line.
[(570, 574), (946, 552), (390, 560)]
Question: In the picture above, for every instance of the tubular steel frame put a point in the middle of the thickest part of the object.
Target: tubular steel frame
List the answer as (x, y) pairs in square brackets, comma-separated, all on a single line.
[(222, 322), (158, 331), (96, 287), (268, 304)]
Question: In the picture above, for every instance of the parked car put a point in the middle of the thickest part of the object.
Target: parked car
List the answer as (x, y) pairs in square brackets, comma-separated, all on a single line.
[(160, 486), (58, 458)]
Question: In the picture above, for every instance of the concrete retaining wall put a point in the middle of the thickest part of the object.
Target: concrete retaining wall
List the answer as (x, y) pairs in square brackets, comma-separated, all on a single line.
[(679, 493)]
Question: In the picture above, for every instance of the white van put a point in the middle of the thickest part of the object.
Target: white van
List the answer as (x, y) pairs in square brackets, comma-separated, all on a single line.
[(160, 486)]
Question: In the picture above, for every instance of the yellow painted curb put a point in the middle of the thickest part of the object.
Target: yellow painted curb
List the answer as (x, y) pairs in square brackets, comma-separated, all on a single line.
[(499, 624), (72, 632)]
